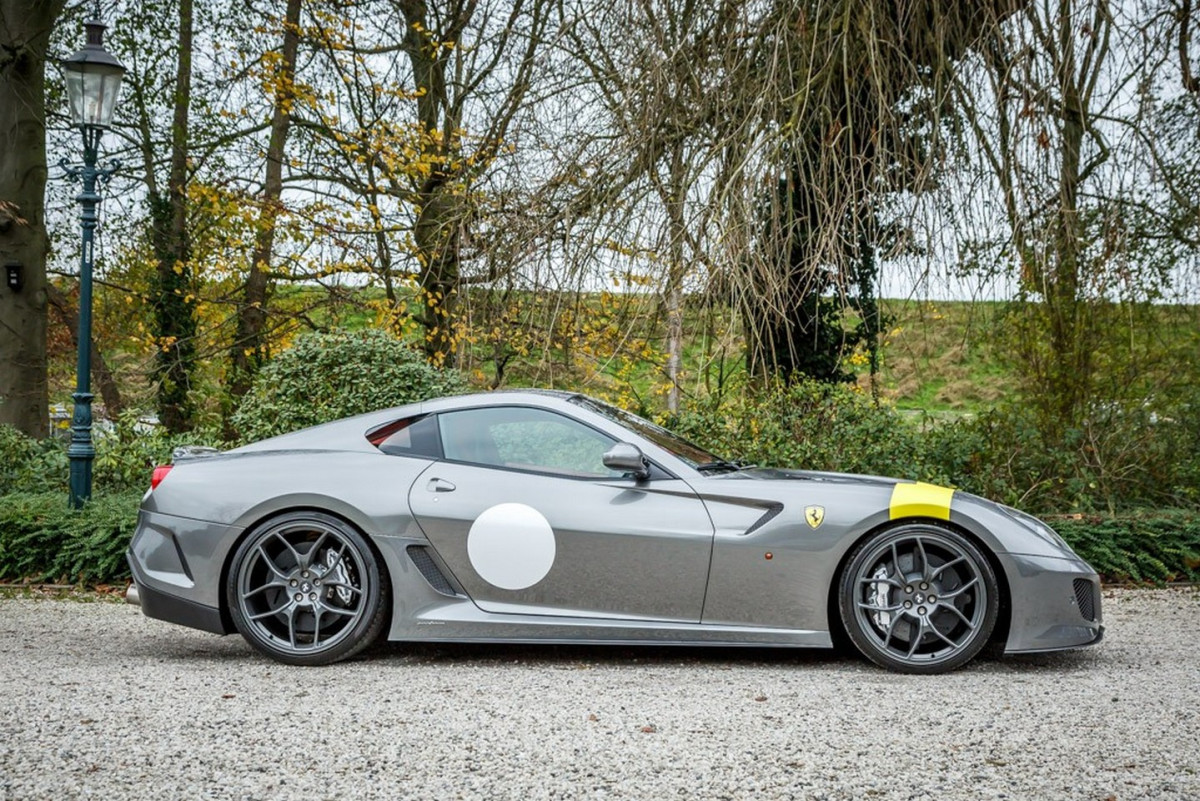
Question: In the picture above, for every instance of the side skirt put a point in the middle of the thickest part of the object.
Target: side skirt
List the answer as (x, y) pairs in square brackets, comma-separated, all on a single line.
[(459, 620)]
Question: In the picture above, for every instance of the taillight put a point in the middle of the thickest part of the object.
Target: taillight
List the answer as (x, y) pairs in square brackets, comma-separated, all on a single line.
[(159, 474)]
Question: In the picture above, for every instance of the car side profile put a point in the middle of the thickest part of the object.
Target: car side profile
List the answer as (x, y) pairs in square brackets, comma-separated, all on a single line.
[(550, 517)]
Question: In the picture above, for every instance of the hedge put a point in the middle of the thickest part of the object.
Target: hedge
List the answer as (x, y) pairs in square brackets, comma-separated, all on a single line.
[(41, 539), (1157, 546)]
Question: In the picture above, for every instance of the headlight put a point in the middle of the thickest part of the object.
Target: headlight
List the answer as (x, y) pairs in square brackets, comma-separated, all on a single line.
[(1037, 526)]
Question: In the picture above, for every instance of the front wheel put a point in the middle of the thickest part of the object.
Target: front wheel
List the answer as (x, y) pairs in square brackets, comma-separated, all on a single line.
[(305, 588), (919, 598)]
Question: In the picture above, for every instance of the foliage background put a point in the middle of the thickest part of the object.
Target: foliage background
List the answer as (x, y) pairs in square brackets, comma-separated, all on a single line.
[(717, 214)]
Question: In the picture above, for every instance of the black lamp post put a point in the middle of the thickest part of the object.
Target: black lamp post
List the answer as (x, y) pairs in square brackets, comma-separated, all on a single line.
[(93, 84)]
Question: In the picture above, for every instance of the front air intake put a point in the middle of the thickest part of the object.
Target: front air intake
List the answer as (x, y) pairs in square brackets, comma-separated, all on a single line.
[(420, 557), (1085, 596)]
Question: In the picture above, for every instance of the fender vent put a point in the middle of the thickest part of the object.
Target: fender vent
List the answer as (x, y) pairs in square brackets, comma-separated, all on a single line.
[(1085, 596), (420, 557)]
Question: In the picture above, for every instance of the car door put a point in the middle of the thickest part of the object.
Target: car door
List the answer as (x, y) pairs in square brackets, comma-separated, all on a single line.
[(523, 511)]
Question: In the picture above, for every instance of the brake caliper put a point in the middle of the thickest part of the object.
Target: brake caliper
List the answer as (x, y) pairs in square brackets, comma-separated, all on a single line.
[(880, 590), (337, 566)]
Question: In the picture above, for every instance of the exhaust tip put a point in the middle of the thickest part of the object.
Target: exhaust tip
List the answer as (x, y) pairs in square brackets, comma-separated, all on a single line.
[(132, 596)]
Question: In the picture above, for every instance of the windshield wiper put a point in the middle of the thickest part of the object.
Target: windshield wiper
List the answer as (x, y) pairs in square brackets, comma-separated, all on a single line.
[(723, 466)]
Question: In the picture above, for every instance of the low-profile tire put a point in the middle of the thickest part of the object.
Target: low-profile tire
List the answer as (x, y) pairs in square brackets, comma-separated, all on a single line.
[(919, 598), (305, 588)]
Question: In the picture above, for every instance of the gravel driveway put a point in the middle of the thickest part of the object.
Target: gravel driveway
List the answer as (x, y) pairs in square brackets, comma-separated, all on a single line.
[(102, 702)]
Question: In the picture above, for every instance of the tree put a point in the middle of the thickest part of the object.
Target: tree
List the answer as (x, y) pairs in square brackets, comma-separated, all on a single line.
[(407, 140), (174, 306), (25, 29), (178, 136), (772, 137), (247, 351), (1097, 185), (860, 107)]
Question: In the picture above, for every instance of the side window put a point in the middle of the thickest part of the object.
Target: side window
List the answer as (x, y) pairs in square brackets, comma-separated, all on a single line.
[(415, 436), (525, 439)]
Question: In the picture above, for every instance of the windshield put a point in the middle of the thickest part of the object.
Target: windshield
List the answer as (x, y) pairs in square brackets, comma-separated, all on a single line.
[(694, 455)]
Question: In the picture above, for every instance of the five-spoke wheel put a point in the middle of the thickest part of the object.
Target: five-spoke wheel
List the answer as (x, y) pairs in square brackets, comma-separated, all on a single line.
[(305, 588), (919, 598)]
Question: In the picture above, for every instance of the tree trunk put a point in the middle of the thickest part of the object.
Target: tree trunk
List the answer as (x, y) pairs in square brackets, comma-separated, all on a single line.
[(24, 39), (1070, 370), (247, 352), (437, 234), (675, 275), (1068, 375), (174, 304), (440, 219)]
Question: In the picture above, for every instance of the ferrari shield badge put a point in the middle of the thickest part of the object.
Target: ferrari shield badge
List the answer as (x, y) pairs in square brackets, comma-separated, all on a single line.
[(815, 515)]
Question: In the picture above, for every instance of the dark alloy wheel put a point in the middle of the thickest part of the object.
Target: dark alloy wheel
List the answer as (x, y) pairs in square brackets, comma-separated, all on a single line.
[(305, 588), (919, 598)]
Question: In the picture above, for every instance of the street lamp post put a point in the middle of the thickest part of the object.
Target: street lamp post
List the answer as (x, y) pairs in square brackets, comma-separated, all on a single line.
[(93, 79)]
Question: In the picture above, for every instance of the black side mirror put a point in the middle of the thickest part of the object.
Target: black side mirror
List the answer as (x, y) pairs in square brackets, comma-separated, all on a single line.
[(628, 458)]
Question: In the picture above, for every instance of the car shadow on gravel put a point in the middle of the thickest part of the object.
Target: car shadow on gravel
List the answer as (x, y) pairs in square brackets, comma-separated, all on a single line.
[(195, 647), (1055, 660), (572, 656), (608, 655), (169, 643)]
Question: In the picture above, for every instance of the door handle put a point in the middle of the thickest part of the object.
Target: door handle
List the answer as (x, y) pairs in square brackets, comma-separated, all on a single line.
[(440, 485)]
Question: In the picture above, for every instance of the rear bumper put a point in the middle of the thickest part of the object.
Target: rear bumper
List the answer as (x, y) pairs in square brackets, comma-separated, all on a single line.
[(171, 608), (176, 566)]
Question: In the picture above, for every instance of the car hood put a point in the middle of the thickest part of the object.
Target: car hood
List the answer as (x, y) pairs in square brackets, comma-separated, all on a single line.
[(872, 499), (779, 474)]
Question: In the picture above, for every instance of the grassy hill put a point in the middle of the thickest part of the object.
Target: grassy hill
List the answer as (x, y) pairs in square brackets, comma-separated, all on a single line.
[(939, 357), (943, 356)]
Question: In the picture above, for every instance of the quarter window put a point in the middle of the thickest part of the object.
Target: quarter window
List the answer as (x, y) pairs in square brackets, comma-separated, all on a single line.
[(416, 436)]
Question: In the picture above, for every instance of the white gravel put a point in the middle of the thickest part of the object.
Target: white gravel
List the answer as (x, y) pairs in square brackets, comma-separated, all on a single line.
[(101, 702)]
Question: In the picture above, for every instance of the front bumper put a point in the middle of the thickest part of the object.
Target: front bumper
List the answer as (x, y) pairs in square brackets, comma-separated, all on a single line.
[(1055, 604)]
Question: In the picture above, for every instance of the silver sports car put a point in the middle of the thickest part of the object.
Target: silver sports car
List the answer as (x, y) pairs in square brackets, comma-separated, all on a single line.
[(551, 517)]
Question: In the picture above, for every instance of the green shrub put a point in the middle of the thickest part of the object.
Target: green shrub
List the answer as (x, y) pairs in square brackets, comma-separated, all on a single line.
[(27, 465), (15, 450), (124, 458), (326, 376), (811, 426), (1121, 458), (42, 539), (126, 455)]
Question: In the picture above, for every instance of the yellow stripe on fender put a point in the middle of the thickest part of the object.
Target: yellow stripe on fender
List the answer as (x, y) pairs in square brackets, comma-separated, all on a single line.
[(920, 500)]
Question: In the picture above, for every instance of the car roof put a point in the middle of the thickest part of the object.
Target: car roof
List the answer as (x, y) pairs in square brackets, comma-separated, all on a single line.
[(347, 433)]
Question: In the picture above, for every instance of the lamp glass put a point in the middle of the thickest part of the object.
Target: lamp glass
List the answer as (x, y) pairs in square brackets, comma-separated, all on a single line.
[(92, 92)]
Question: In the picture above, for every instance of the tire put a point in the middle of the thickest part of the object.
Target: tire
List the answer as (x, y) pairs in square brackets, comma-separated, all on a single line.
[(919, 598), (305, 588)]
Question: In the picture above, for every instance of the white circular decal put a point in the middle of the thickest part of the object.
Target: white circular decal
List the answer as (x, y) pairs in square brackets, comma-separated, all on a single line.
[(511, 546)]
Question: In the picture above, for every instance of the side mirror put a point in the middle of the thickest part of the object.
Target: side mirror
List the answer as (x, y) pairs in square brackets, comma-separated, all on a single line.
[(628, 458)]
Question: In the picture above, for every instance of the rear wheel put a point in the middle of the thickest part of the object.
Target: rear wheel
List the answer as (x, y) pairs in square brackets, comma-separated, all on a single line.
[(305, 588), (919, 598)]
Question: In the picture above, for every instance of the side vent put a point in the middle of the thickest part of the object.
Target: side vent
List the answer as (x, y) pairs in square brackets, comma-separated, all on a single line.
[(1085, 596), (420, 557)]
